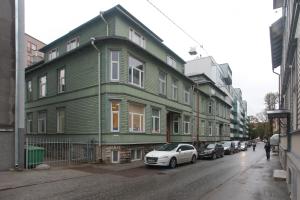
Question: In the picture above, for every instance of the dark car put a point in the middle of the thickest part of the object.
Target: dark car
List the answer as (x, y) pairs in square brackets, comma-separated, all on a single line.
[(228, 147), (237, 146), (212, 151)]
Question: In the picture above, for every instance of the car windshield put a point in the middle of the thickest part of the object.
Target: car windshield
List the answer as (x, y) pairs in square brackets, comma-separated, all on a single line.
[(211, 146), (226, 144), (167, 147)]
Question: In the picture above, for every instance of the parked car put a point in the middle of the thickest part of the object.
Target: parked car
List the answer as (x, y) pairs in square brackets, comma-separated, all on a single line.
[(243, 146), (249, 143), (212, 151), (237, 146), (171, 154), (228, 147)]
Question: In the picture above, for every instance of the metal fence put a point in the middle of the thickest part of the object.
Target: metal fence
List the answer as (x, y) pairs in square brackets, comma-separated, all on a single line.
[(56, 152)]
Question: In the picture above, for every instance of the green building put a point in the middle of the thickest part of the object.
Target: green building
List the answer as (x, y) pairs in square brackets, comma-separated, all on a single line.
[(211, 111), (111, 81)]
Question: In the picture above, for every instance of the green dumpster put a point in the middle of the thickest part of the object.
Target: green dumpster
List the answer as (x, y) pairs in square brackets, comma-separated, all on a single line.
[(34, 155)]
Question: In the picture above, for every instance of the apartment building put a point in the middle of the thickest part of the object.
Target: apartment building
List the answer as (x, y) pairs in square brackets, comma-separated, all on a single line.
[(221, 75), (33, 55), (112, 81), (211, 111), (284, 34)]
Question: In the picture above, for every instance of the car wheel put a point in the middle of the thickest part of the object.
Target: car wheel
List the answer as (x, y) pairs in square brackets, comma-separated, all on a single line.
[(193, 159), (214, 156), (173, 163)]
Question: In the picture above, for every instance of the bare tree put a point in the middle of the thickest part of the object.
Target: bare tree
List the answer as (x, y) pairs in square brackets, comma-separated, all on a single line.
[(271, 100)]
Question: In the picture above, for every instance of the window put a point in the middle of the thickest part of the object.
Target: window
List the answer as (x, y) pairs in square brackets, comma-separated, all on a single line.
[(61, 81), (186, 125), (115, 117), (29, 125), (202, 127), (33, 47), (52, 54), (174, 89), (155, 121), (175, 124), (210, 107), (29, 90), (72, 44), (60, 120), (136, 154), (137, 38), (42, 86), (162, 83), (42, 121), (210, 128), (217, 129), (136, 117), (217, 109), (136, 72), (115, 156), (171, 62), (187, 96), (114, 65)]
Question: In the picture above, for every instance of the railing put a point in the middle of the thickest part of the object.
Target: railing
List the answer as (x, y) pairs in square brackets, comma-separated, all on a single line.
[(56, 152)]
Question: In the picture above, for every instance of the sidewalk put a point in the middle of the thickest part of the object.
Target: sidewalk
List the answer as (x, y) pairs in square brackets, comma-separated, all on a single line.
[(16, 179), (254, 183)]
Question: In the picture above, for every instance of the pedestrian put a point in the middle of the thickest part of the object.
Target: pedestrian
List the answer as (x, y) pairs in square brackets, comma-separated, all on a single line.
[(253, 145), (268, 149)]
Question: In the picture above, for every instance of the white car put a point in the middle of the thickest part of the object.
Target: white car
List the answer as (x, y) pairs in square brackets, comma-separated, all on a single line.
[(171, 154)]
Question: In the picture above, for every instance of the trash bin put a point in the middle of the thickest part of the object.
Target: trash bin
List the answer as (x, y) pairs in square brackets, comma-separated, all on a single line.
[(35, 155)]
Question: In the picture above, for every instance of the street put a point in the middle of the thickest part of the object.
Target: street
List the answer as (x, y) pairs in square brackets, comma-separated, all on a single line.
[(245, 175)]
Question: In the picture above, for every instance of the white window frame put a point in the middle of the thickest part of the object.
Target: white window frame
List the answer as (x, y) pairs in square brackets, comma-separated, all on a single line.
[(42, 85), (173, 123), (40, 120), (29, 90), (141, 74), (29, 121), (162, 83), (112, 156), (203, 123), (59, 127), (210, 107), (111, 66), (210, 128), (135, 157), (131, 115), (53, 53), (137, 38), (153, 121), (61, 87), (188, 123), (72, 44), (112, 116), (188, 95), (171, 61), (174, 88)]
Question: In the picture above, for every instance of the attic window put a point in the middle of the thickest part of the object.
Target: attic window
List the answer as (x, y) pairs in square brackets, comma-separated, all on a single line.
[(137, 38), (72, 44), (53, 54), (171, 61)]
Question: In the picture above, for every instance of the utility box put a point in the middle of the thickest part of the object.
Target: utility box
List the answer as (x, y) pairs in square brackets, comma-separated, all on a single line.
[(34, 156)]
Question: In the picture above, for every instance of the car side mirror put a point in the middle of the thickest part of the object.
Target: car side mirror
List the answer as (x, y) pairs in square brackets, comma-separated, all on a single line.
[(179, 150)]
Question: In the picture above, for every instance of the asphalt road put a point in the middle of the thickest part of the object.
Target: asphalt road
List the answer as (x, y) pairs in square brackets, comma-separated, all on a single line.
[(245, 175)]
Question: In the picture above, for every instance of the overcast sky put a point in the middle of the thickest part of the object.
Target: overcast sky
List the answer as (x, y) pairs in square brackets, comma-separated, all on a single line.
[(232, 31)]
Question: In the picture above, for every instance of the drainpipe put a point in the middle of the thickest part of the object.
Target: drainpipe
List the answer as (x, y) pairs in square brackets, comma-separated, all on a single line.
[(101, 15), (99, 97)]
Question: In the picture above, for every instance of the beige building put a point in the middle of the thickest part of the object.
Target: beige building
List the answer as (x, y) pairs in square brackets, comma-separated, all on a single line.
[(32, 47), (285, 47)]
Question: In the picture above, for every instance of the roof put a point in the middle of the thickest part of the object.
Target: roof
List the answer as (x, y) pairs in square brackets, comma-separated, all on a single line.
[(103, 39), (118, 8), (276, 39)]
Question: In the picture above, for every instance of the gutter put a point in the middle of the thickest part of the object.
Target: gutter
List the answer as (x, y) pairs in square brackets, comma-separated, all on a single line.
[(99, 97)]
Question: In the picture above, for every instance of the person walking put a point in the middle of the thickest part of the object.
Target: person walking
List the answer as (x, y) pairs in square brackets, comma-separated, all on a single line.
[(253, 145), (268, 149)]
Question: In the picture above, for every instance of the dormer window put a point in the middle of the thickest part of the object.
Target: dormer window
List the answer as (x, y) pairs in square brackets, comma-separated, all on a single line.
[(53, 54), (72, 44), (171, 62), (137, 38)]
